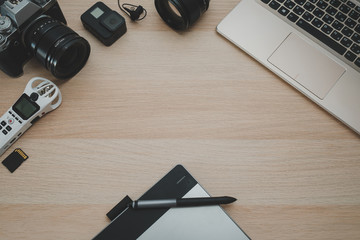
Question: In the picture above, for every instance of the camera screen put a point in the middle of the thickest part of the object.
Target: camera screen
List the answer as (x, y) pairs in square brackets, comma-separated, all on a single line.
[(97, 12), (25, 108)]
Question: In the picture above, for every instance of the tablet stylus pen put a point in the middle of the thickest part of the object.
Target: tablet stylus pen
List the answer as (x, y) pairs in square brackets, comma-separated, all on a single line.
[(181, 202)]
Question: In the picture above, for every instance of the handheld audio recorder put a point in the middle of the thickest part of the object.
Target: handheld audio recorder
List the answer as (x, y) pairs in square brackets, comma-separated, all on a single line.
[(39, 97)]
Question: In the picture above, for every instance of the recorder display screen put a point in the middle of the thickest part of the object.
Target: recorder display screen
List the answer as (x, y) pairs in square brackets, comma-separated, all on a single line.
[(25, 108)]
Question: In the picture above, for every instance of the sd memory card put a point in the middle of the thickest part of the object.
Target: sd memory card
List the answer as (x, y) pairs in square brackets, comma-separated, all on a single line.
[(15, 159)]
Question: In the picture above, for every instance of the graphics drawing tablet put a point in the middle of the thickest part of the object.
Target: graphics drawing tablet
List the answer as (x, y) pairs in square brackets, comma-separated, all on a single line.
[(190, 223)]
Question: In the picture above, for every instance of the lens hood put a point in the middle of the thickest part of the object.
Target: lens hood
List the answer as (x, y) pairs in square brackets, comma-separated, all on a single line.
[(181, 14), (57, 47)]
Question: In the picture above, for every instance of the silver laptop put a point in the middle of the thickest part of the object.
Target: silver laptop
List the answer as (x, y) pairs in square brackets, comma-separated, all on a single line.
[(314, 45)]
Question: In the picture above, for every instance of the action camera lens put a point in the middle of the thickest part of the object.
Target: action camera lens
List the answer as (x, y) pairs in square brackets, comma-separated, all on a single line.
[(61, 50)]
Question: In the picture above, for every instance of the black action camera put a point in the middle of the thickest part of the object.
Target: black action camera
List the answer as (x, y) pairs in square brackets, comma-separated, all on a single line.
[(38, 28), (105, 24)]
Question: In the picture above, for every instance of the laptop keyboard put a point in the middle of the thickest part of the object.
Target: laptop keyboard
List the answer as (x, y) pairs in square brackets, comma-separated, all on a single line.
[(336, 23)]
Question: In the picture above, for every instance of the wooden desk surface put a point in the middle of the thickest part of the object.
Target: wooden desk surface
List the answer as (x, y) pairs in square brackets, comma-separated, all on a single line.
[(158, 98)]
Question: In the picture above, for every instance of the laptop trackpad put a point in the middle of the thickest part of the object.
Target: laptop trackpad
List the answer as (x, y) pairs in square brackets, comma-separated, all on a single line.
[(306, 65)]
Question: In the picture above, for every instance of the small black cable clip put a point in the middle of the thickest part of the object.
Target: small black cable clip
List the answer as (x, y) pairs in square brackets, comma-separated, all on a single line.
[(133, 11)]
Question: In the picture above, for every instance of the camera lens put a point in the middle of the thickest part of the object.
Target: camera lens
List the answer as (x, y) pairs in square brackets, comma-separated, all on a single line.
[(181, 14), (61, 50)]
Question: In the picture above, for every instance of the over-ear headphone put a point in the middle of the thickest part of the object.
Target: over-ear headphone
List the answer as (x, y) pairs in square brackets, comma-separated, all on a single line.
[(136, 13)]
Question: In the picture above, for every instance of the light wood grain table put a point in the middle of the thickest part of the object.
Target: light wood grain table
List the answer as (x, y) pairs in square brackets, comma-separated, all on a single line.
[(158, 98)]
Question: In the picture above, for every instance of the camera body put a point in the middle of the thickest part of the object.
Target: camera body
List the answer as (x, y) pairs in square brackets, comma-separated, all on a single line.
[(16, 17)]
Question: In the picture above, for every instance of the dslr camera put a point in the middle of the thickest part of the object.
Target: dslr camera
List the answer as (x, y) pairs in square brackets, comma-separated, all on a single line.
[(38, 28)]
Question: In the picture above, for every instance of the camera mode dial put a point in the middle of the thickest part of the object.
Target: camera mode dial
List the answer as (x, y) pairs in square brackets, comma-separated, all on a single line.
[(5, 24)]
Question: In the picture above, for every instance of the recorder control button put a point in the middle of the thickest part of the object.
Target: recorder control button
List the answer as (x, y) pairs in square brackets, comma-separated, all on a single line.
[(34, 97), (8, 128), (10, 121), (4, 132), (0, 127), (3, 123)]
